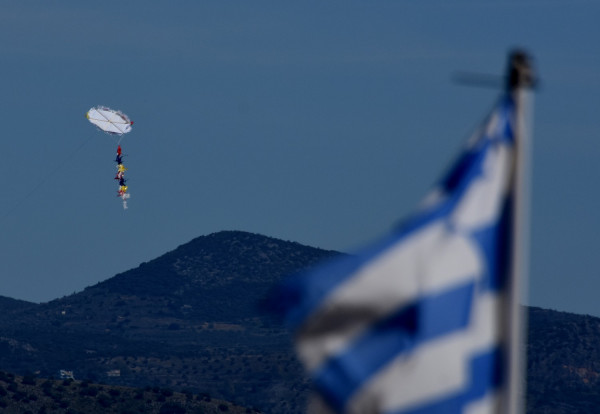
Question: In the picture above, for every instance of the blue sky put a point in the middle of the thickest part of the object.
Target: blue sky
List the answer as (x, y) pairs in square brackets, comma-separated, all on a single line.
[(317, 122)]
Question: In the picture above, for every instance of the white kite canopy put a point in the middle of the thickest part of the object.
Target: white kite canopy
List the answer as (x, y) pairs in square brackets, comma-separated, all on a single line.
[(109, 120)]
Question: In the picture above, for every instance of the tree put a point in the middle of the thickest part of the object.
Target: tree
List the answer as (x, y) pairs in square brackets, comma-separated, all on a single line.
[(172, 408)]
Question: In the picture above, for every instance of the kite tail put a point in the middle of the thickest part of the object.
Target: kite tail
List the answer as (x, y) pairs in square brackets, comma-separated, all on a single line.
[(120, 177)]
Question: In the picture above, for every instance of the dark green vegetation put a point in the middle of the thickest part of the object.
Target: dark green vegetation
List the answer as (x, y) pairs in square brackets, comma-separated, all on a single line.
[(33, 395), (563, 363), (190, 321)]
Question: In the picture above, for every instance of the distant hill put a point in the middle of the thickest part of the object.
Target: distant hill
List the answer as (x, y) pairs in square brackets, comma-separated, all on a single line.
[(35, 395), (189, 320), (563, 363), (186, 320), (9, 304)]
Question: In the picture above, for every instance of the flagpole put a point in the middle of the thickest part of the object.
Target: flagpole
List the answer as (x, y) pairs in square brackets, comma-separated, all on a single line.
[(520, 82)]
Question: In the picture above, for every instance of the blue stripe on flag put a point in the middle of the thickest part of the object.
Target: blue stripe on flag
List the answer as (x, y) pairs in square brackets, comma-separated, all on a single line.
[(429, 318), (486, 376), (494, 245), (465, 161)]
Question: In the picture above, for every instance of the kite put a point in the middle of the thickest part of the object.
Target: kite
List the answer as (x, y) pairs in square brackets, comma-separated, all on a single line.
[(118, 124)]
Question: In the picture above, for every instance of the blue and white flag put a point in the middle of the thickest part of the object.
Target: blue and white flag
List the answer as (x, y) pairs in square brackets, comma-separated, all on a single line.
[(417, 323)]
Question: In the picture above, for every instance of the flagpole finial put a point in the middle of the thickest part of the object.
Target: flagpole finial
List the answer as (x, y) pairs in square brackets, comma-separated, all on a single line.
[(520, 71)]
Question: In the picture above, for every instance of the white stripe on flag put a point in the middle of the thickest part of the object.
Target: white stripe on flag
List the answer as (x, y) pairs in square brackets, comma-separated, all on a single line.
[(398, 278), (435, 369)]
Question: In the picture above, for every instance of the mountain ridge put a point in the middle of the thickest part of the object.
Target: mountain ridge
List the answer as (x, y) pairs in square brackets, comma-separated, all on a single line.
[(188, 320)]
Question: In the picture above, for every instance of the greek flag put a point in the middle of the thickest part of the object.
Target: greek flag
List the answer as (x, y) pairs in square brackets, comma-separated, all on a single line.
[(417, 323)]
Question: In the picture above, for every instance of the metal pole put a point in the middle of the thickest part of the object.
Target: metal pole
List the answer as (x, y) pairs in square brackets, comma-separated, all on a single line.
[(520, 82)]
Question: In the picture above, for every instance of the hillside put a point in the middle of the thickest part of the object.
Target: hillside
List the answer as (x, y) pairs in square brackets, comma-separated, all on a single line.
[(47, 396), (187, 320), (563, 363), (9, 304)]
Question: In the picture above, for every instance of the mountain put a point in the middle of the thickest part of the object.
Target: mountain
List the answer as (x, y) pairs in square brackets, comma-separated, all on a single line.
[(563, 362), (187, 320), (27, 394), (9, 304)]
